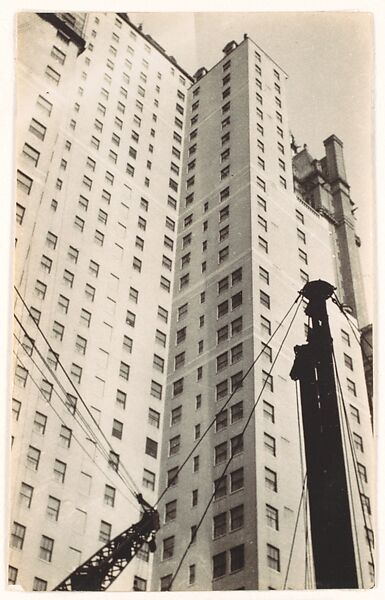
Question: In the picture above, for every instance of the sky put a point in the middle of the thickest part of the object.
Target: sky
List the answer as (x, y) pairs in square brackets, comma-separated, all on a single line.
[(328, 57)]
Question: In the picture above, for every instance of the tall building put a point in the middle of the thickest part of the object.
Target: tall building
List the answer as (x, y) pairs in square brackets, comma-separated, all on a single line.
[(162, 235), (250, 235), (100, 129)]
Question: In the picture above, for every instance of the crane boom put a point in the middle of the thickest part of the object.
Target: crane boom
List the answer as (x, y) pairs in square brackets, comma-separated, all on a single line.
[(99, 571)]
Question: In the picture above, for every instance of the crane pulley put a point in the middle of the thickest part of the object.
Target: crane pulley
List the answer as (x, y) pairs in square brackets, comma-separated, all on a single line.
[(99, 571)]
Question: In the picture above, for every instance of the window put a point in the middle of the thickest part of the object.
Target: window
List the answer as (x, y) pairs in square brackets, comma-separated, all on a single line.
[(220, 453), (219, 525), (225, 122), (222, 389), (269, 443), (160, 337), (140, 585), (52, 75), (168, 547), (174, 445), (358, 442), (264, 299), (271, 479), (351, 386), (177, 387), (114, 460), (89, 292), (109, 495), (261, 203), (148, 480), (263, 245), (46, 548), (139, 242), (369, 537), (53, 508), (32, 154), (170, 511), (181, 335), (40, 289), (236, 412), (345, 337), (117, 429), (348, 361), (355, 414), (165, 283), (76, 373), (365, 500), (16, 407), (236, 445), (223, 254), (176, 415), (362, 472), (104, 532), (45, 105), (237, 558), (268, 411), (272, 517), (225, 172), (179, 360), (70, 403), (165, 583), (186, 240), (273, 557), (80, 344), (236, 353), (220, 487), (169, 243), (24, 182), (158, 363), (65, 436), (225, 138), (121, 398), (219, 565), (21, 375), (20, 211), (58, 328), (130, 169), (17, 535), (59, 470), (124, 370), (236, 300), (12, 575), (25, 495), (196, 464), (156, 390)]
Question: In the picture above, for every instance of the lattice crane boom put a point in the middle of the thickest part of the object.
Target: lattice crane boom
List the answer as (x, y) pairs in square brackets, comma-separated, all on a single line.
[(99, 571)]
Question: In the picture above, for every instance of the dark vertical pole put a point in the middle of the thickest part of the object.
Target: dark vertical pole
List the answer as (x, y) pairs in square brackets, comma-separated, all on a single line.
[(331, 528)]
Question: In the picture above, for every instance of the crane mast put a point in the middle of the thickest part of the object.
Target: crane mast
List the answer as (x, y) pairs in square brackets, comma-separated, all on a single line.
[(330, 519), (99, 571)]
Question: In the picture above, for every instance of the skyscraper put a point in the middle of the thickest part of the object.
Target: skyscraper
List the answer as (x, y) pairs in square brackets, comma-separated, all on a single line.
[(162, 230), (100, 130)]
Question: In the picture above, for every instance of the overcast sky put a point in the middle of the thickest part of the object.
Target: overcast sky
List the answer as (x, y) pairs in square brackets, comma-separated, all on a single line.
[(329, 59)]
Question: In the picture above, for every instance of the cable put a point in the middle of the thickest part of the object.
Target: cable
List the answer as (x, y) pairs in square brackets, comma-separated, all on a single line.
[(351, 324), (237, 387), (301, 452), (354, 457), (78, 394), (295, 530), (239, 438), (75, 389), (83, 424), (73, 436)]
